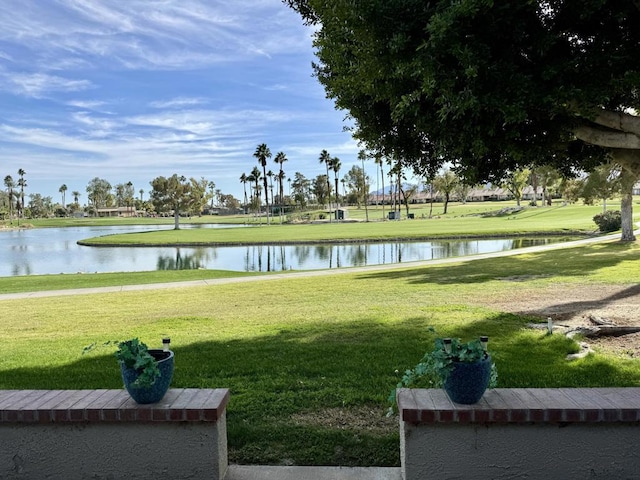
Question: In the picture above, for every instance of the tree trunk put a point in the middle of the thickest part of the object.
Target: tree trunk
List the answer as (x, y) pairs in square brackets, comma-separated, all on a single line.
[(176, 219), (629, 162)]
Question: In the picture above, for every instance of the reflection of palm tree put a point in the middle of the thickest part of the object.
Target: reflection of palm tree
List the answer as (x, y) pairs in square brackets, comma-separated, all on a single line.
[(358, 255), (180, 262), (302, 252)]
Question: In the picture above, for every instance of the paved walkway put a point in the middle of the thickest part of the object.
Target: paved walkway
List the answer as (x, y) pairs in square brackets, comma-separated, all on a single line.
[(312, 273), (260, 472)]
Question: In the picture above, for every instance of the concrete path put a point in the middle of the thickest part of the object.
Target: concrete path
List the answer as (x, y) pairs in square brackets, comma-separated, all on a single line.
[(259, 472), (312, 273)]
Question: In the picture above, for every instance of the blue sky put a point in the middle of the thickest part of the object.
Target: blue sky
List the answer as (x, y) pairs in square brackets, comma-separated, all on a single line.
[(130, 90)]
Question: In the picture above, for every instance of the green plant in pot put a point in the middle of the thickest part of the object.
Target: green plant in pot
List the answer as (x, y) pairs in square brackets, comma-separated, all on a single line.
[(146, 373), (464, 369)]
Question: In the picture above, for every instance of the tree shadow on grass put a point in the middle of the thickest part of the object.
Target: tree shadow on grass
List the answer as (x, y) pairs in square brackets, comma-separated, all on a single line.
[(309, 369)]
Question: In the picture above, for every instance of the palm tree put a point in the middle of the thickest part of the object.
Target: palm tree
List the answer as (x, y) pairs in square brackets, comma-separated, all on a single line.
[(335, 166), (10, 184), (326, 159), (255, 177), (22, 183), (365, 194), (244, 179), (270, 175), (211, 186), (380, 163), (141, 192), (280, 158), (263, 153), (281, 177), (63, 190), (76, 194)]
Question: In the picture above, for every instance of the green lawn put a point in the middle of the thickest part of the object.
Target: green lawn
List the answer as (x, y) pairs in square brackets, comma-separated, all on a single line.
[(304, 357), (467, 223)]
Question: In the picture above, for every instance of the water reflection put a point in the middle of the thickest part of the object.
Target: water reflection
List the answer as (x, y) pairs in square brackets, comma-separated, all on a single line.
[(48, 251), (186, 261)]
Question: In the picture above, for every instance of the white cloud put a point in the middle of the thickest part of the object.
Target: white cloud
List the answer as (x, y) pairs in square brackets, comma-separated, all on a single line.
[(37, 85), (178, 102), (133, 89), (88, 104), (151, 35)]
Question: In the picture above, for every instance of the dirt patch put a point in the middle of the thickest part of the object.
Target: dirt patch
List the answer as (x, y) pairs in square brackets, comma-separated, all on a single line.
[(362, 418), (571, 305)]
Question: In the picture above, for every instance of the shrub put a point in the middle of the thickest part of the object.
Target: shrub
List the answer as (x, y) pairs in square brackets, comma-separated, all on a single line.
[(608, 221)]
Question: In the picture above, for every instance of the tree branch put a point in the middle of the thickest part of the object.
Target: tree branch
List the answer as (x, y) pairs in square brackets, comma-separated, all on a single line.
[(607, 138), (621, 121)]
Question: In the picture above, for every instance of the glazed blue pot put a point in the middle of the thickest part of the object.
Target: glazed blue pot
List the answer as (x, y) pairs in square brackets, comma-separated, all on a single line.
[(155, 392), (467, 382)]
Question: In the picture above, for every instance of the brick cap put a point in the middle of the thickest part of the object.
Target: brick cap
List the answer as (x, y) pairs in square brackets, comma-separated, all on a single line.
[(522, 405), (46, 406)]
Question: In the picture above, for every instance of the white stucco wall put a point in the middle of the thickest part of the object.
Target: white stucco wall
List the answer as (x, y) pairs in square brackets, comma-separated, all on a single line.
[(520, 451), (157, 450)]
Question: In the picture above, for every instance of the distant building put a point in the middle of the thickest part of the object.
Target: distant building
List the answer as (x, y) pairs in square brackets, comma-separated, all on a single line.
[(117, 212)]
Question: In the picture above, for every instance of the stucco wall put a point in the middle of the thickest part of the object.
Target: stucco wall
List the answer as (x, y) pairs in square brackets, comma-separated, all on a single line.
[(172, 450), (520, 451)]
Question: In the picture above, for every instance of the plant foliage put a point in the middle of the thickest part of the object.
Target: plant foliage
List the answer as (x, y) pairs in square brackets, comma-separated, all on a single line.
[(134, 354), (436, 365), (609, 221)]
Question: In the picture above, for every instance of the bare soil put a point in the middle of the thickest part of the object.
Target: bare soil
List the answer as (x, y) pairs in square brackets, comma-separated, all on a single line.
[(571, 306)]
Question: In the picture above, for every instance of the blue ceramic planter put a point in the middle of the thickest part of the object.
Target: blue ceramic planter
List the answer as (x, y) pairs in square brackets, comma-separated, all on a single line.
[(467, 382), (155, 392)]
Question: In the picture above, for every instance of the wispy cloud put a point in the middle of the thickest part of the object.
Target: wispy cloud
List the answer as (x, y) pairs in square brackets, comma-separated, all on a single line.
[(129, 90), (145, 34), (179, 102), (37, 85)]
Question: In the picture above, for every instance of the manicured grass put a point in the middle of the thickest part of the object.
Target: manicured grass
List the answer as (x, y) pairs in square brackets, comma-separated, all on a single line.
[(557, 219), (297, 352), (38, 283)]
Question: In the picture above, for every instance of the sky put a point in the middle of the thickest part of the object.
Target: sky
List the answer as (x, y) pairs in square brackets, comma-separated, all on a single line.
[(132, 90)]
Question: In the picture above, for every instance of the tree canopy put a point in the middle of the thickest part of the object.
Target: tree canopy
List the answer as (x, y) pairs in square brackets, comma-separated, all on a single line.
[(487, 86), (173, 194)]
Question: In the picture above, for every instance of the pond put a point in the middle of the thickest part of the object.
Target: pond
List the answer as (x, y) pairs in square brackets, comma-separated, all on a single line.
[(54, 250)]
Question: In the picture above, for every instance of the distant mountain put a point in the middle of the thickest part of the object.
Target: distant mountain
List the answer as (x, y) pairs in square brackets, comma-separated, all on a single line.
[(387, 189)]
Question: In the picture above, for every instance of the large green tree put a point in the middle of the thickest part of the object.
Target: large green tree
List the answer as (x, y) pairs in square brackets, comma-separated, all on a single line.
[(172, 194), (488, 86), (99, 192)]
